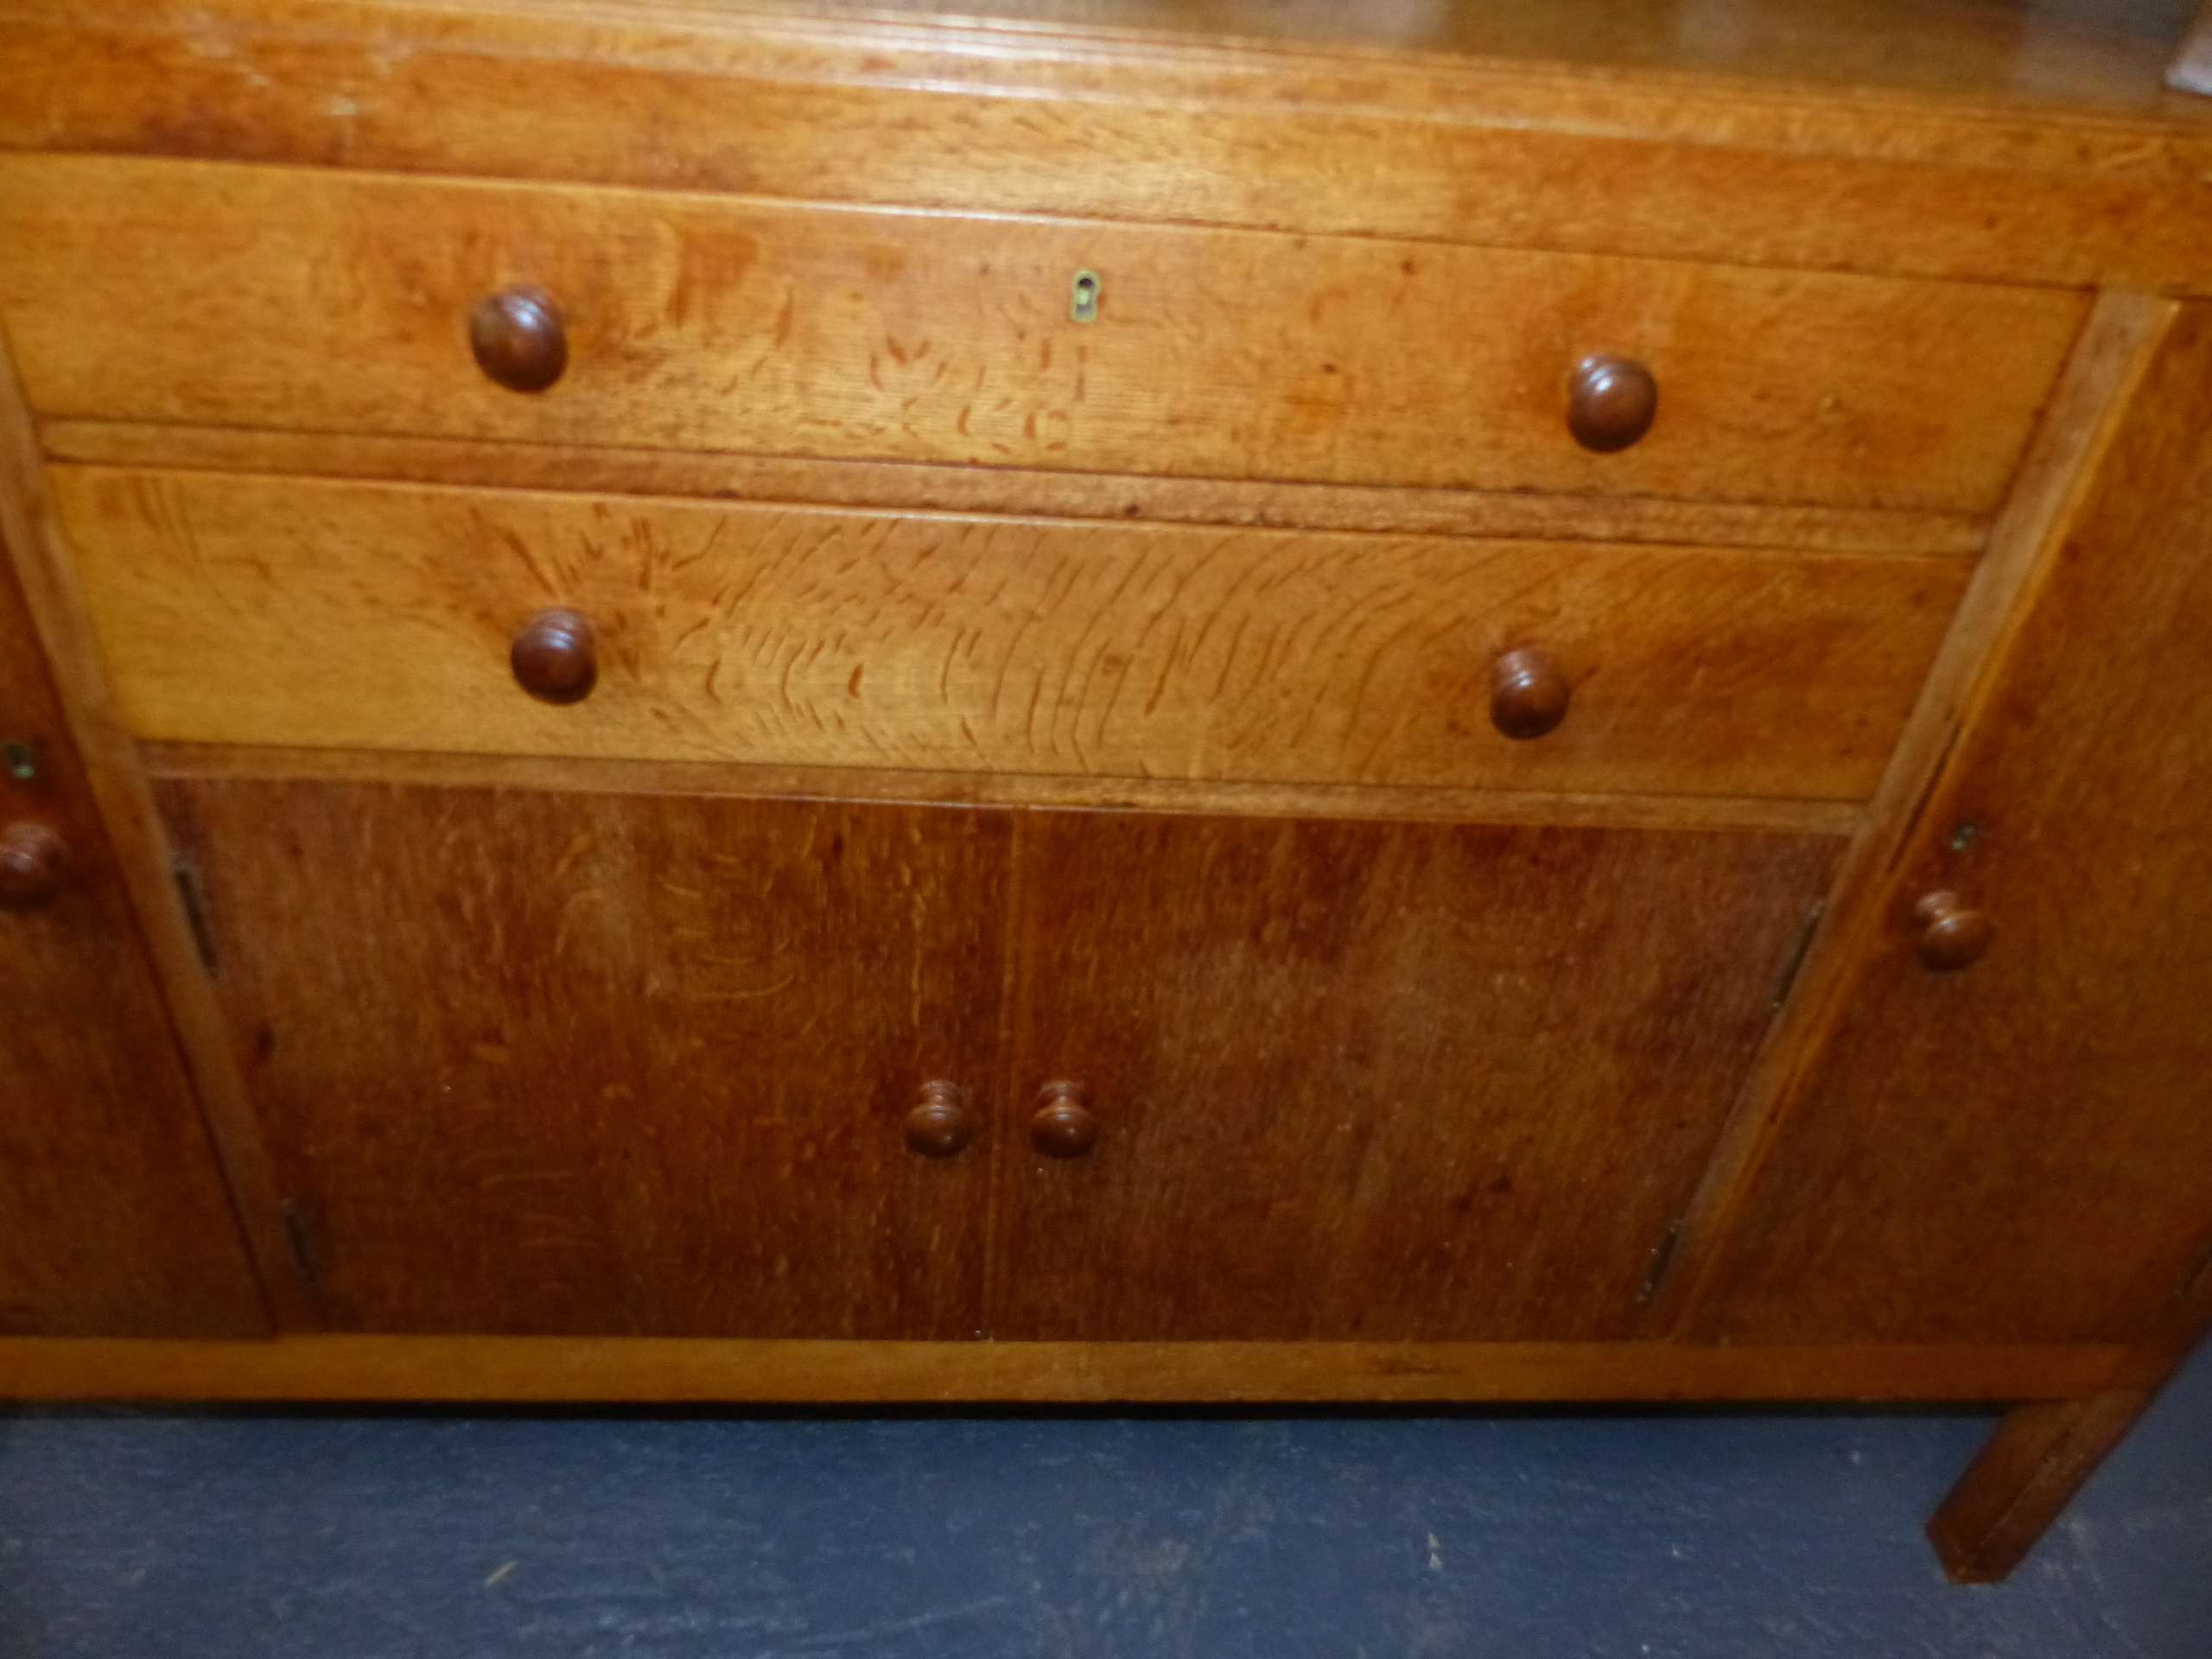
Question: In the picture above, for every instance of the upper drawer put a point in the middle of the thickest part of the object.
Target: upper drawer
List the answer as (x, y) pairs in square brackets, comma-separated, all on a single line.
[(298, 612), (334, 302)]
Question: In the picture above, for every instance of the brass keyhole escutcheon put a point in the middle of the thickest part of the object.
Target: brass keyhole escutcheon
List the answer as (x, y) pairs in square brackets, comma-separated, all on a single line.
[(1082, 296)]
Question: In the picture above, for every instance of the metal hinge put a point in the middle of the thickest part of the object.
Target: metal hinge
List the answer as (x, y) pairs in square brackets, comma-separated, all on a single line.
[(2193, 1280), (296, 1235), (195, 909), (1798, 952), (1663, 1256)]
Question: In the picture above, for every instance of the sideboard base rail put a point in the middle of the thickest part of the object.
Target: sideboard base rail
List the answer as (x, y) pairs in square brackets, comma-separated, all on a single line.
[(643, 1369)]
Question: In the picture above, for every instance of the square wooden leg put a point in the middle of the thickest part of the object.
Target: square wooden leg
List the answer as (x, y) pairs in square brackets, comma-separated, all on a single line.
[(2027, 1472)]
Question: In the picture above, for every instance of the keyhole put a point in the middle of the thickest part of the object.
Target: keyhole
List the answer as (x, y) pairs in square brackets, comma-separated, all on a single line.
[(1083, 302)]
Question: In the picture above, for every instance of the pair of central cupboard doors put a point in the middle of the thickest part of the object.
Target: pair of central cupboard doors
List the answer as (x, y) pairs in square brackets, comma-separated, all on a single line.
[(538, 1060)]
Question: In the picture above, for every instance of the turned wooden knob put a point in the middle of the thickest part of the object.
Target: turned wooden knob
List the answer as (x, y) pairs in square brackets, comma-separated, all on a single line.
[(1064, 1127), (555, 657), (1951, 936), (1611, 401), (1528, 694), (33, 863), (518, 337), (940, 1123)]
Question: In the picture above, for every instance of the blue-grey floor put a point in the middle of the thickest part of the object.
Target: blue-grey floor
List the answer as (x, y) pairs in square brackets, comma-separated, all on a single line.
[(1019, 1538)]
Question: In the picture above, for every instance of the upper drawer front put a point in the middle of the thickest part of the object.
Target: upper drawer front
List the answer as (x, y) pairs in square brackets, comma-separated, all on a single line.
[(288, 611), (242, 295)]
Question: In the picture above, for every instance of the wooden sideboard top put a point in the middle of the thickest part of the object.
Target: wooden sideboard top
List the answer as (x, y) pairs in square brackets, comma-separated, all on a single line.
[(2106, 54), (1938, 141)]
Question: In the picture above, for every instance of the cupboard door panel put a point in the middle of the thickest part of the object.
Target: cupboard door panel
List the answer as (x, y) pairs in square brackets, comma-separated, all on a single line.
[(113, 1216), (1374, 1079), (544, 1062), (2020, 1150)]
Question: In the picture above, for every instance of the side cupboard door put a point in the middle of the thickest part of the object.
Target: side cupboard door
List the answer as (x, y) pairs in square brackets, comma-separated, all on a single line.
[(2005, 1133)]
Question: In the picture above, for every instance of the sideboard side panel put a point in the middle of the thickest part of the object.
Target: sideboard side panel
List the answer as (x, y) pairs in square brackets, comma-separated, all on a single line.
[(2022, 1151)]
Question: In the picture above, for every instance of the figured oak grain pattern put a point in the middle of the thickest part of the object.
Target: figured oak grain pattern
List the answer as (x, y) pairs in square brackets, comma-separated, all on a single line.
[(1374, 1080), (113, 1216), (2011, 181), (675, 1370), (610, 1064), (2021, 1151), (325, 301), (291, 611)]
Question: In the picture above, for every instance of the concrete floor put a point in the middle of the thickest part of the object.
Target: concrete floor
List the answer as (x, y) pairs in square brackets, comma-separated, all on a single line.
[(1021, 1537)]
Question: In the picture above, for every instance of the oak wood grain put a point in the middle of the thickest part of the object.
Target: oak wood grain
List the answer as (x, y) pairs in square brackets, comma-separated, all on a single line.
[(1014, 490), (611, 1065), (113, 1215), (622, 1369), (1374, 1080), (2005, 182), (134, 289), (290, 612), (2061, 1188)]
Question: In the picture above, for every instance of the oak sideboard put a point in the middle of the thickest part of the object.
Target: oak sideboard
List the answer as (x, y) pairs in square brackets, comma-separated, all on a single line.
[(1132, 701)]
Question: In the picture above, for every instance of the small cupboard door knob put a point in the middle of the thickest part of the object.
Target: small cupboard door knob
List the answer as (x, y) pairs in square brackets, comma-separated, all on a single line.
[(556, 656), (33, 863), (940, 1123), (1951, 936), (1528, 694), (1063, 1126), (518, 338), (1611, 401)]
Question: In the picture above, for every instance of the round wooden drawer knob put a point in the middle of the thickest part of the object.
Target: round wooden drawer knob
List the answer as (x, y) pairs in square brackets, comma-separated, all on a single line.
[(1611, 401), (940, 1124), (1528, 694), (1063, 1126), (555, 659), (518, 337), (33, 863), (1951, 936)]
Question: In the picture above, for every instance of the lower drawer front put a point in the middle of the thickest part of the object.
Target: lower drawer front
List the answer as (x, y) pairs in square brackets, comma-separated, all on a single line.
[(536, 1062), (317, 614)]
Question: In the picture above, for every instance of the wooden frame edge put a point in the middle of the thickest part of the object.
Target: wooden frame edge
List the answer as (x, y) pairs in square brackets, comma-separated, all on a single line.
[(46, 572)]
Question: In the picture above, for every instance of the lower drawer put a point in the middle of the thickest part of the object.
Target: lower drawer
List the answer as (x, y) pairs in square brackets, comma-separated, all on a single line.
[(258, 610)]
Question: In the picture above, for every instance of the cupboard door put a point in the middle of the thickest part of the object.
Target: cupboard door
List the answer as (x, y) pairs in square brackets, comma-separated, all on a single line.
[(1372, 1079), (2019, 1149), (533, 1061), (113, 1216)]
